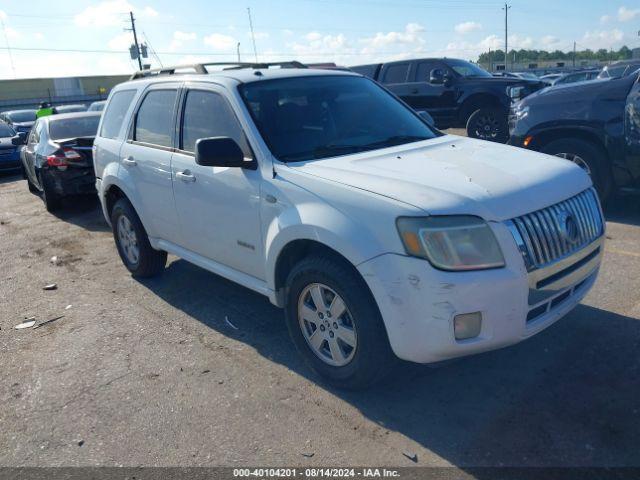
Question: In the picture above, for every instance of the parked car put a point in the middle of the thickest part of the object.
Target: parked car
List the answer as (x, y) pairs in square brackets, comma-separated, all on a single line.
[(97, 106), (550, 78), (456, 93), (574, 77), (380, 236), (586, 123), (20, 120), (57, 158), (619, 69), (69, 108), (9, 148)]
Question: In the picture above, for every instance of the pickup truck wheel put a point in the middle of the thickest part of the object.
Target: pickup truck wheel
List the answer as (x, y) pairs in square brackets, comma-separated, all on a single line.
[(488, 124), (588, 157), (335, 324), (137, 254)]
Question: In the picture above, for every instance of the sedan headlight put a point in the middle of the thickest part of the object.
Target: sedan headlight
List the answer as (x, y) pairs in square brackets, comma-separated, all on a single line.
[(452, 242), (520, 112)]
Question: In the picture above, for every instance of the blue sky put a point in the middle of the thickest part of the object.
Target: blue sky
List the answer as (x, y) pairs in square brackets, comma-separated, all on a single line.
[(42, 34)]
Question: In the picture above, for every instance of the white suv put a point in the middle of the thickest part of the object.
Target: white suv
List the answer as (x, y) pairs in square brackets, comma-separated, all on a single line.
[(379, 236)]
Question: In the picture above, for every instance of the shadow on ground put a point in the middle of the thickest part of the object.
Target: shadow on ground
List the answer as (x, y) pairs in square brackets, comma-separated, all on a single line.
[(568, 396)]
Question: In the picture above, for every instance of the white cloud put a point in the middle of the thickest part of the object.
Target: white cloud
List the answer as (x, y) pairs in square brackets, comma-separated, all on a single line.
[(625, 14), (287, 32), (38, 36), (549, 41), (220, 42), (179, 38), (467, 27), (602, 39), (121, 41), (605, 18), (259, 35), (3, 15), (111, 13), (412, 35)]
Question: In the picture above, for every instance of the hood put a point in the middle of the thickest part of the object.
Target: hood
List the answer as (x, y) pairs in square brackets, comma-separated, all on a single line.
[(455, 175)]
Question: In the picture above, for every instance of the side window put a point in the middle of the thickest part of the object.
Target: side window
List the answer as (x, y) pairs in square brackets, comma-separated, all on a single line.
[(34, 136), (207, 114), (424, 70), (396, 73), (114, 115), (154, 120)]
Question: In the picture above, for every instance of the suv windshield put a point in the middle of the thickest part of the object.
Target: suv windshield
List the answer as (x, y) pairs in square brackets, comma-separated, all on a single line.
[(308, 118), (467, 69)]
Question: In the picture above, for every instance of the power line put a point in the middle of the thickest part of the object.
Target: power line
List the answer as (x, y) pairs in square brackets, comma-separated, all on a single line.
[(6, 39), (253, 37)]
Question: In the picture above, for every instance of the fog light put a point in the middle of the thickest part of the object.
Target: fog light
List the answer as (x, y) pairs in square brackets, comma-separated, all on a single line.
[(467, 325)]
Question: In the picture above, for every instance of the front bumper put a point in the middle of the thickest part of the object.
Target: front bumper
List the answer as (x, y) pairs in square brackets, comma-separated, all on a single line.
[(418, 302)]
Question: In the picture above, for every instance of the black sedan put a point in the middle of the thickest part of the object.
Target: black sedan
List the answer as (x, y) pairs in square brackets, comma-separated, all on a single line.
[(57, 158)]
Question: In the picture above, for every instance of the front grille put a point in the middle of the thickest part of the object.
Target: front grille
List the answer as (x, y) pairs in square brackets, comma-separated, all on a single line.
[(557, 231)]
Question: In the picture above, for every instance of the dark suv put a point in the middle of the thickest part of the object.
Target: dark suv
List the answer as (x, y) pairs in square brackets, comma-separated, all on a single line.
[(595, 124), (456, 93)]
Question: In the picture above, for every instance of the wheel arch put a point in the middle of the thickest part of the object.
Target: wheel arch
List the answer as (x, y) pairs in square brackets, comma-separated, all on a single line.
[(476, 101)]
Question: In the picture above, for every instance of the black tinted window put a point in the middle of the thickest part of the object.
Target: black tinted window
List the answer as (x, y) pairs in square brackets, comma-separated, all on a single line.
[(396, 73), (114, 116), (424, 70), (6, 131), (74, 127), (207, 114), (154, 122)]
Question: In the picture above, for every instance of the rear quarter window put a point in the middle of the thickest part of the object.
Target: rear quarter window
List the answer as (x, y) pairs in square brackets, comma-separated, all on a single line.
[(115, 112)]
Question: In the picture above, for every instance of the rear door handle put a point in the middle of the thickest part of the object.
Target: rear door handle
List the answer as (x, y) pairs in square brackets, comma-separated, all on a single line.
[(186, 176), (129, 162)]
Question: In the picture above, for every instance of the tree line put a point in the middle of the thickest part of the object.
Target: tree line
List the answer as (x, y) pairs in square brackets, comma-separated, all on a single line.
[(524, 56)]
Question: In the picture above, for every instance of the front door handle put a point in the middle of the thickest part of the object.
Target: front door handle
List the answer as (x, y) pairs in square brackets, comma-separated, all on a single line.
[(129, 162), (414, 91), (186, 176)]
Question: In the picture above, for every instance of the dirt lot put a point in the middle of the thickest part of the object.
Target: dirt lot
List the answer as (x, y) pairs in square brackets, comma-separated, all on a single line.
[(150, 373)]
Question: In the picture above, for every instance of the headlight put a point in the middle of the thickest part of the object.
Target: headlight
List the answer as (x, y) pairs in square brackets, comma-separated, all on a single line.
[(452, 242), (520, 112), (516, 93)]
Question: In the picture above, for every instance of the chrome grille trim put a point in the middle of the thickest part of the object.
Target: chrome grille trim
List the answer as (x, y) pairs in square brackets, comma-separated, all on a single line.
[(540, 236)]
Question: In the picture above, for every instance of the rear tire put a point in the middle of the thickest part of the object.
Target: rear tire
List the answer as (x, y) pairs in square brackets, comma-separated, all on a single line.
[(132, 242), (587, 156), (488, 123), (364, 361)]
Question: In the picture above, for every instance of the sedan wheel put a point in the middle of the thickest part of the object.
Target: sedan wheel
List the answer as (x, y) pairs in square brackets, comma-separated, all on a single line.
[(327, 325)]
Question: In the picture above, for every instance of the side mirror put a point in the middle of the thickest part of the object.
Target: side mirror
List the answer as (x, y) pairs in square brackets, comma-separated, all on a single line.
[(219, 152), (436, 77), (19, 139), (427, 118)]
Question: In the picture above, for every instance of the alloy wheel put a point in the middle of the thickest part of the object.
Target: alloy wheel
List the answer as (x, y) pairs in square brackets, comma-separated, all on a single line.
[(327, 324), (128, 240), (577, 159)]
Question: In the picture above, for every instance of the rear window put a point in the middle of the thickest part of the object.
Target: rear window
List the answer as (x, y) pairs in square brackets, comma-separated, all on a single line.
[(396, 73), (366, 70), (23, 116), (74, 127), (114, 115), (154, 121), (6, 131)]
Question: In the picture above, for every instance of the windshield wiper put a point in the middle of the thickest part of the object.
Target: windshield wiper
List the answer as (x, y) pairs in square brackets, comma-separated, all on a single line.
[(397, 140)]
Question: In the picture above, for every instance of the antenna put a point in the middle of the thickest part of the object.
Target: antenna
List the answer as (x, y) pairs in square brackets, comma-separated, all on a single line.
[(253, 37)]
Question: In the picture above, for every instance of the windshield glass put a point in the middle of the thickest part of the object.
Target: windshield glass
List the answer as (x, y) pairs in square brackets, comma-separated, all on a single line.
[(308, 118), (23, 116), (6, 131), (467, 69), (74, 127)]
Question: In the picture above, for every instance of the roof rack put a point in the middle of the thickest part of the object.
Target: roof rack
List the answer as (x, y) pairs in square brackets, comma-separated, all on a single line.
[(201, 68)]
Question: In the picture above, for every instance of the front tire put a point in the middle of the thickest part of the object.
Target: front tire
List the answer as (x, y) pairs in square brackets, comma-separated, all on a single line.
[(132, 241), (588, 157), (335, 324), (489, 124)]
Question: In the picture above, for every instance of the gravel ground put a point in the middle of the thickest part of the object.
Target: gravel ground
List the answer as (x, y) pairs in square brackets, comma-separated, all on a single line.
[(151, 373)]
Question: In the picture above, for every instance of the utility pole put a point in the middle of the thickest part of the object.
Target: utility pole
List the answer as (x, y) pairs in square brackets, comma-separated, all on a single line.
[(506, 33), (253, 37), (238, 51), (574, 54), (135, 39)]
